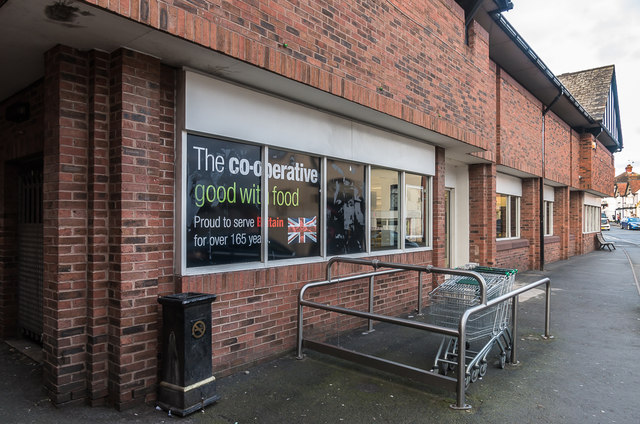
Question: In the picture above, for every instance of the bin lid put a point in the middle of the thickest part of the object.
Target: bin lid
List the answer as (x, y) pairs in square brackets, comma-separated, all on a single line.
[(187, 299)]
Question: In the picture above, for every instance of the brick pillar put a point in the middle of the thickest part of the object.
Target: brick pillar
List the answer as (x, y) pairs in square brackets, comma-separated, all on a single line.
[(576, 219), (561, 219), (98, 229), (65, 222), (136, 233), (166, 180), (438, 210), (482, 214), (530, 219), (586, 161)]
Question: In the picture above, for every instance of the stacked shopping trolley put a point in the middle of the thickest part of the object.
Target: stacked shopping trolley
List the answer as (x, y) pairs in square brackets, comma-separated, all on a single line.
[(484, 329)]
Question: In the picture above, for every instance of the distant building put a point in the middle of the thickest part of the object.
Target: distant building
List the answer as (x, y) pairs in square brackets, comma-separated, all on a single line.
[(626, 188)]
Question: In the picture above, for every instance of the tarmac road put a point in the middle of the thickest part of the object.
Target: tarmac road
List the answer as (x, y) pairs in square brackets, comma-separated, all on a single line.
[(588, 372)]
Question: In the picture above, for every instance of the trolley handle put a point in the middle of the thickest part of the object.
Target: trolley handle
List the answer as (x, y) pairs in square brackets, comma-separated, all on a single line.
[(464, 273)]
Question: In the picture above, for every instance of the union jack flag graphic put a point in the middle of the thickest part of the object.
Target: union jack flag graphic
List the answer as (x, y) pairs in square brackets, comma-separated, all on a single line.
[(302, 230)]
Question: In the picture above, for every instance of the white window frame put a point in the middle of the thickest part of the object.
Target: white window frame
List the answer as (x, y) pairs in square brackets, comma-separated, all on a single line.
[(548, 218), (509, 218), (322, 230), (591, 219)]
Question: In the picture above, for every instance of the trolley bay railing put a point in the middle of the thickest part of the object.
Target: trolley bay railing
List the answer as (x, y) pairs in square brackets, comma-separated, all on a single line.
[(430, 377)]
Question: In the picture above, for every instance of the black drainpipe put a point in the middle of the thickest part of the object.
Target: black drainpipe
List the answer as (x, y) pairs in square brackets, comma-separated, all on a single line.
[(469, 19), (541, 214)]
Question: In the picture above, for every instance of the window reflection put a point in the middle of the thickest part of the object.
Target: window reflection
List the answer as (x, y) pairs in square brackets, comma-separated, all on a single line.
[(384, 209), (416, 212)]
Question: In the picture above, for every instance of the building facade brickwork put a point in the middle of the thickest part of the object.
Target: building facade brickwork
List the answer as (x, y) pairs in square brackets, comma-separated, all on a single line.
[(109, 130)]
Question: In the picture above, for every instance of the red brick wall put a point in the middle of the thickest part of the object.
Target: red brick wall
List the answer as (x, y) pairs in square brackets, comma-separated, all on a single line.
[(255, 315), (140, 243), (438, 209), (530, 219), (482, 203), (513, 254), (65, 224), (21, 140), (381, 55), (552, 249), (575, 160), (98, 228), (557, 151), (106, 123), (576, 220), (572, 245), (596, 166), (603, 170), (589, 243), (561, 221), (520, 133)]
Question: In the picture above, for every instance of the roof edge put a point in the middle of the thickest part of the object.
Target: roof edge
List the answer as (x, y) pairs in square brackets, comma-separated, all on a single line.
[(519, 41)]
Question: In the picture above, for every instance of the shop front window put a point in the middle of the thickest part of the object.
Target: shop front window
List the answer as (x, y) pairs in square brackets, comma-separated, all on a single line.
[(223, 206), (346, 208), (507, 216), (228, 216), (294, 205), (384, 209), (416, 192)]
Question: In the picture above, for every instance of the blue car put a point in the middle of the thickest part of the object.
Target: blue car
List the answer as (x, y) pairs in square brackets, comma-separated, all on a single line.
[(632, 223)]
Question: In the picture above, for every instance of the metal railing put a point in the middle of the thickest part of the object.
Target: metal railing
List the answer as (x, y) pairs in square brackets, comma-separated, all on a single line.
[(426, 376)]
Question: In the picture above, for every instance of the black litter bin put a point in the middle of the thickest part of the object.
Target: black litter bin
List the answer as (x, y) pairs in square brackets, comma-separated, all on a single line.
[(187, 383)]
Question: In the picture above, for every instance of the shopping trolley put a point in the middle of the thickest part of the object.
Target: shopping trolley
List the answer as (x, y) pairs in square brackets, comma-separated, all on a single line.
[(484, 330)]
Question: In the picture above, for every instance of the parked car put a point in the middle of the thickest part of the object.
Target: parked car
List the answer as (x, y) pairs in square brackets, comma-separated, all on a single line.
[(632, 223), (604, 224)]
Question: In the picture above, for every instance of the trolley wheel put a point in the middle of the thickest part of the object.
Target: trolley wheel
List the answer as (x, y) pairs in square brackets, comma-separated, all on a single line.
[(503, 360), (467, 382), (474, 374), (443, 367), (452, 367), (483, 368)]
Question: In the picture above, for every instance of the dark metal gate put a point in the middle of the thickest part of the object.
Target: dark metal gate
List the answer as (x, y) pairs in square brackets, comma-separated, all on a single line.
[(30, 252)]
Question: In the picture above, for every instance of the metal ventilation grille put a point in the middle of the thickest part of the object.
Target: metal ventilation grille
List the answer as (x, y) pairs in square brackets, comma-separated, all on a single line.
[(30, 254)]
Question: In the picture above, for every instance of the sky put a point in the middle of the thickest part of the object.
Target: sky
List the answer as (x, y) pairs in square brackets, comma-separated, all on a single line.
[(574, 35)]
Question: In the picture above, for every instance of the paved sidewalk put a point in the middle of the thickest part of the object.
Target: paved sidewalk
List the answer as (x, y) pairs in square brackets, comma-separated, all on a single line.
[(588, 373)]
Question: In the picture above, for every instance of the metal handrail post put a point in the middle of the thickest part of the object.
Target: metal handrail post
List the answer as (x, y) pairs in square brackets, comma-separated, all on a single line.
[(419, 292), (370, 321), (547, 317), (462, 357), (300, 326), (514, 330)]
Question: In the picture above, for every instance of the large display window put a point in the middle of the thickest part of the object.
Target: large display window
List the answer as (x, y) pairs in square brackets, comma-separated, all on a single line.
[(230, 218)]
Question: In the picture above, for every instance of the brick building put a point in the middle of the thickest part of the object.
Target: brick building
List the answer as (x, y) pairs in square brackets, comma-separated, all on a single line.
[(149, 147)]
